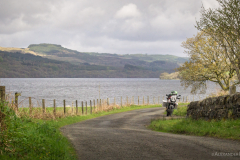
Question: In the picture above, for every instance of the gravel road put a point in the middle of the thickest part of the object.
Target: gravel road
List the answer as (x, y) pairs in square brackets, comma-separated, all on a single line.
[(125, 136)]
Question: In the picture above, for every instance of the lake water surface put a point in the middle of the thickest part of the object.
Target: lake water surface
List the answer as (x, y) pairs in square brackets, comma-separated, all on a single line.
[(85, 89)]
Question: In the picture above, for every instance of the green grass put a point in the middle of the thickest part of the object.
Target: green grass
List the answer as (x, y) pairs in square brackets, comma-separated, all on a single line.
[(180, 111), (227, 129), (27, 138)]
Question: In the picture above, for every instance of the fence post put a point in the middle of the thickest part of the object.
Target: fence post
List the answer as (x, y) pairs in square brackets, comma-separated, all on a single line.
[(64, 106), (143, 101), (138, 100), (72, 107), (54, 107), (86, 107), (76, 107), (16, 100), (94, 105), (43, 105), (121, 101), (193, 98), (100, 103), (82, 108), (90, 107), (2, 93), (97, 104), (30, 105), (187, 99)]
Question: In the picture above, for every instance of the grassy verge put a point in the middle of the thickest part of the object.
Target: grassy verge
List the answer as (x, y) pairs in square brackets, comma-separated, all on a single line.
[(26, 138), (181, 110), (227, 129)]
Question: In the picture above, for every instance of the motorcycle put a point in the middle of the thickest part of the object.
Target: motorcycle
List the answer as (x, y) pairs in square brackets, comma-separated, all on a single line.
[(171, 102)]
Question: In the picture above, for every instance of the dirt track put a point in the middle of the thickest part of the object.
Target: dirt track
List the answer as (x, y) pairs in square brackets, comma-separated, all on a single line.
[(125, 136)]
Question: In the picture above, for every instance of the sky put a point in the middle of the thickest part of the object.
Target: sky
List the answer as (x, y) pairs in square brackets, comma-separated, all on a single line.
[(103, 26)]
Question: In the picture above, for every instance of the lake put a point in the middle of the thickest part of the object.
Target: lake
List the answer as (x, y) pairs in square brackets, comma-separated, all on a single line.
[(86, 89)]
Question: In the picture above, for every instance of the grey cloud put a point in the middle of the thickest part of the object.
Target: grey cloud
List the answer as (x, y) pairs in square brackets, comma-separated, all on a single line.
[(126, 26)]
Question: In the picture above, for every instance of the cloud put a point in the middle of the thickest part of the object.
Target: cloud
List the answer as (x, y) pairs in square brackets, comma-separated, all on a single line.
[(136, 26), (128, 11)]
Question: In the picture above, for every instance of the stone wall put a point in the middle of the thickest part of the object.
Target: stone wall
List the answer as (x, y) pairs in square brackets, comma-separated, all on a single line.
[(222, 107)]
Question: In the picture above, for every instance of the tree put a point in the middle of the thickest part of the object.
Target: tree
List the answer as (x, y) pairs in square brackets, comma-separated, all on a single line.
[(207, 62), (223, 26)]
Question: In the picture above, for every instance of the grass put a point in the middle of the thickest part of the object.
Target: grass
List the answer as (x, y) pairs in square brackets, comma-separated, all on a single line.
[(227, 129), (30, 138), (180, 111)]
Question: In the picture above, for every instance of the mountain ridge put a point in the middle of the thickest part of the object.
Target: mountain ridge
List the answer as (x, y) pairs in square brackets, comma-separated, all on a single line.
[(111, 65)]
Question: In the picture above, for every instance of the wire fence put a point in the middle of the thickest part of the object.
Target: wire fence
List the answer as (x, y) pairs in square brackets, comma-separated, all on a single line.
[(36, 107)]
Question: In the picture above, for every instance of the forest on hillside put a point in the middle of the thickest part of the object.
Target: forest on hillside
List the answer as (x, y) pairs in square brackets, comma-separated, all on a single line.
[(18, 65)]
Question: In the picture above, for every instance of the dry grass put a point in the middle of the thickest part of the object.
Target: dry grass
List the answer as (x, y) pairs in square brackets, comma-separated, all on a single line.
[(49, 114), (21, 50), (218, 93)]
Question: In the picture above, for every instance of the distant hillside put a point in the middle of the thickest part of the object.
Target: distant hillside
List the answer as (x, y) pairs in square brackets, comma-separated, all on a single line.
[(18, 65), (58, 52), (50, 60)]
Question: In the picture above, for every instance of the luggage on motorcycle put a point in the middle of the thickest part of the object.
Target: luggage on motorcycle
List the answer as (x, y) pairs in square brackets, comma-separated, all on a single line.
[(164, 104)]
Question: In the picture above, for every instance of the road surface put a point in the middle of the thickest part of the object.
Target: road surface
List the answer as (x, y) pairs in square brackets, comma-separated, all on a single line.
[(125, 136)]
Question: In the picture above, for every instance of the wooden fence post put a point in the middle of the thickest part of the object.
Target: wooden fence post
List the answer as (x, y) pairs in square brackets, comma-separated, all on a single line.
[(94, 105), (90, 107), (30, 105), (16, 100), (54, 107), (82, 108), (143, 101), (2, 93), (97, 105), (72, 107), (43, 105), (86, 107), (138, 100), (76, 107), (64, 106), (121, 101), (100, 103)]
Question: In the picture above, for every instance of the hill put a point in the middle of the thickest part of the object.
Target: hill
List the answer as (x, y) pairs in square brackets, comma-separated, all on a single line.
[(49, 60)]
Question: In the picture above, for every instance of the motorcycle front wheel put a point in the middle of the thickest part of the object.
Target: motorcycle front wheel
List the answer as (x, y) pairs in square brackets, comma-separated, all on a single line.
[(170, 110)]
